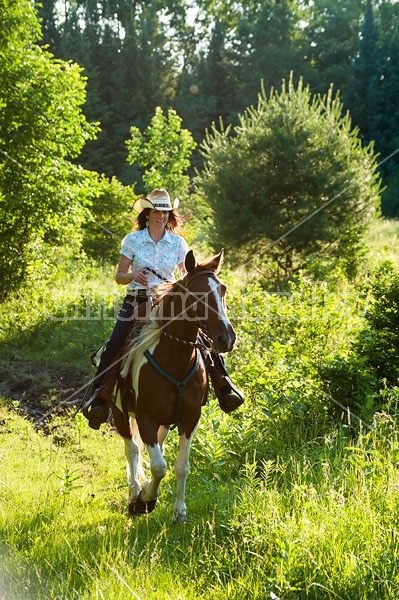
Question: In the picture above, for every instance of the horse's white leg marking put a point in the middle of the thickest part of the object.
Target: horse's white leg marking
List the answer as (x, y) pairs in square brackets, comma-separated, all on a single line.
[(140, 474), (132, 453), (182, 469), (162, 435), (158, 471)]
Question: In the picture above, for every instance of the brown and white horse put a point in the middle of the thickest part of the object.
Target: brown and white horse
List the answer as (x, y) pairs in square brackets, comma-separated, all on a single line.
[(165, 370)]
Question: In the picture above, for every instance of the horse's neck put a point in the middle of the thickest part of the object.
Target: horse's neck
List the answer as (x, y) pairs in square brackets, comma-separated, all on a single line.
[(172, 318), (182, 329)]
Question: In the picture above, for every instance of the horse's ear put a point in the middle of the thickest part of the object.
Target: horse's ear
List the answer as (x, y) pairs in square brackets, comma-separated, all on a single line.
[(190, 261), (218, 260)]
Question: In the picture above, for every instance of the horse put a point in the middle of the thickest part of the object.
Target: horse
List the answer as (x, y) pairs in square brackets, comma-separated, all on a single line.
[(166, 380)]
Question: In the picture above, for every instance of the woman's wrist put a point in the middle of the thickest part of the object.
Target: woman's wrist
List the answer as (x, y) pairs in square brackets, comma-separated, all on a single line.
[(124, 278)]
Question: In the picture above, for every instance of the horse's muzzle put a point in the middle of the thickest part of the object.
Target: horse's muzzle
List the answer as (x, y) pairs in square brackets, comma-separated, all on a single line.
[(225, 342)]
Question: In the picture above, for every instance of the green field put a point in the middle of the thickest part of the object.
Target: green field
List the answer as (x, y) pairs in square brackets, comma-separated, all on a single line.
[(294, 496)]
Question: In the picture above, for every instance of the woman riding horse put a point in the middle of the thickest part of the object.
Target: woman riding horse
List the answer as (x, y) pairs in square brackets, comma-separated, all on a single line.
[(165, 380), (149, 256)]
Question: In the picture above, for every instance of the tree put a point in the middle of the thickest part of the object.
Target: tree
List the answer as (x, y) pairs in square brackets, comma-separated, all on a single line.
[(163, 152), (41, 128), (266, 46), (373, 90), (291, 183), (363, 93), (129, 55), (329, 42), (378, 342), (111, 210)]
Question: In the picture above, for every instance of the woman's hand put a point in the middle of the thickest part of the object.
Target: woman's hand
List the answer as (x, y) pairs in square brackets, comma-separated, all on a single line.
[(124, 276), (139, 277)]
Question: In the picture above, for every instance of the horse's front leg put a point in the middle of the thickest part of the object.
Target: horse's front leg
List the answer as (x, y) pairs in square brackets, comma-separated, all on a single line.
[(133, 459), (182, 469), (149, 489)]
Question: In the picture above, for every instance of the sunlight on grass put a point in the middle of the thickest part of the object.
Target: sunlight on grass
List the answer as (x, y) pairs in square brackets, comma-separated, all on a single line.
[(325, 522), (383, 239)]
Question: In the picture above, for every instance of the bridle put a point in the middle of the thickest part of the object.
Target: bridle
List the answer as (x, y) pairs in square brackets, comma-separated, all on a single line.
[(208, 345)]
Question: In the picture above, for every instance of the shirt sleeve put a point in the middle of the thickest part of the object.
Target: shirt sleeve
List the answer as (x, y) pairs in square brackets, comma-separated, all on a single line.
[(127, 246)]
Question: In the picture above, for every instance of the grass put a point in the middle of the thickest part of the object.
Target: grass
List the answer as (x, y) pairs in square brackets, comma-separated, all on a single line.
[(383, 239), (286, 501), (321, 523)]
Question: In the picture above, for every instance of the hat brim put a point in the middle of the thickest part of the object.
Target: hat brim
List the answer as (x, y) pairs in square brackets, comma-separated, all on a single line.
[(143, 202)]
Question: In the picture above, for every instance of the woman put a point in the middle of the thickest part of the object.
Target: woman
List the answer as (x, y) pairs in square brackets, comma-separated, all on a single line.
[(149, 256)]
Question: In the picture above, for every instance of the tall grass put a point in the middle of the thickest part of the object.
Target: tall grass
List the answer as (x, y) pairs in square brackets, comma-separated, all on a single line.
[(322, 522)]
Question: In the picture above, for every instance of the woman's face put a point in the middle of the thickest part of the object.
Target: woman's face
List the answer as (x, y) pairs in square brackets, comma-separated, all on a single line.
[(158, 218)]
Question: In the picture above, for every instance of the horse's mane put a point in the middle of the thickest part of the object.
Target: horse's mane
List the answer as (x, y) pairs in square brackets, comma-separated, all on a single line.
[(150, 331)]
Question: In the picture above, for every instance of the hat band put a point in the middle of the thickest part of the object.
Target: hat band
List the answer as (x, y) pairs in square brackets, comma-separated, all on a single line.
[(161, 205)]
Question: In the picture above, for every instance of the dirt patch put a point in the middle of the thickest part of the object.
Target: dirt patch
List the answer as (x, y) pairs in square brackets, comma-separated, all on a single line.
[(42, 389)]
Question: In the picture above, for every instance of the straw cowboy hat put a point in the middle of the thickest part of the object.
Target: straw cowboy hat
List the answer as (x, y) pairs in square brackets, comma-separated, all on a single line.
[(158, 199)]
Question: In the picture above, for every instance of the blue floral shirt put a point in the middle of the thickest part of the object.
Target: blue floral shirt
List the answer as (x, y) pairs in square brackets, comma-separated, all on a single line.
[(163, 256)]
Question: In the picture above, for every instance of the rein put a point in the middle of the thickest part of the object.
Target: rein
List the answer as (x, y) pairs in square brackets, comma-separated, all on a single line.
[(161, 277), (199, 345)]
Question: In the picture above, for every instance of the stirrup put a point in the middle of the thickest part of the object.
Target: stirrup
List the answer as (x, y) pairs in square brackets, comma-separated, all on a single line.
[(229, 398), (230, 402), (96, 410)]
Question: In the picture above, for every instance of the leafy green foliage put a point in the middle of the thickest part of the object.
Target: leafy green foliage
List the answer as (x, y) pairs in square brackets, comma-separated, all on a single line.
[(111, 205), (323, 515), (266, 47), (41, 128), (359, 378), (351, 385), (291, 183), (285, 500), (208, 59), (378, 342), (163, 152), (372, 91), (329, 42), (363, 93)]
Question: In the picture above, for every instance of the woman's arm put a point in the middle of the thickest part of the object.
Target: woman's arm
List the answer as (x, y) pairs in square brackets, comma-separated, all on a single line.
[(124, 275)]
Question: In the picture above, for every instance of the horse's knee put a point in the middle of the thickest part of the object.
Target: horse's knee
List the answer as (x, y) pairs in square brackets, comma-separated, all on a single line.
[(158, 469), (131, 449), (182, 470)]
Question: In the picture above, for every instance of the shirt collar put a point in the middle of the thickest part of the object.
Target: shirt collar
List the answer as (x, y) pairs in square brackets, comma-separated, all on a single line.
[(166, 238)]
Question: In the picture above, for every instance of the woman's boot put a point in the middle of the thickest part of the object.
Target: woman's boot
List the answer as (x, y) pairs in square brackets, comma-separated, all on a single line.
[(228, 395), (97, 408)]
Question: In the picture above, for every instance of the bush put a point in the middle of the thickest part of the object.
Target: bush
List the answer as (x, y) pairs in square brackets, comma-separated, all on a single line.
[(378, 342), (294, 160)]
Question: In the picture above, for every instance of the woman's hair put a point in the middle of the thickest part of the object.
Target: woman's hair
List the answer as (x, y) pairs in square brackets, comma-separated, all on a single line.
[(174, 220)]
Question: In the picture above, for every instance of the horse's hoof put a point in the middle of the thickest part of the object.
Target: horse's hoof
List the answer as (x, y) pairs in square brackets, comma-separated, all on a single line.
[(180, 518), (141, 507)]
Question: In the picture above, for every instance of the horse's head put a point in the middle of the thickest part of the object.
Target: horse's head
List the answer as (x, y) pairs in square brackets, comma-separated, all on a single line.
[(206, 300)]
